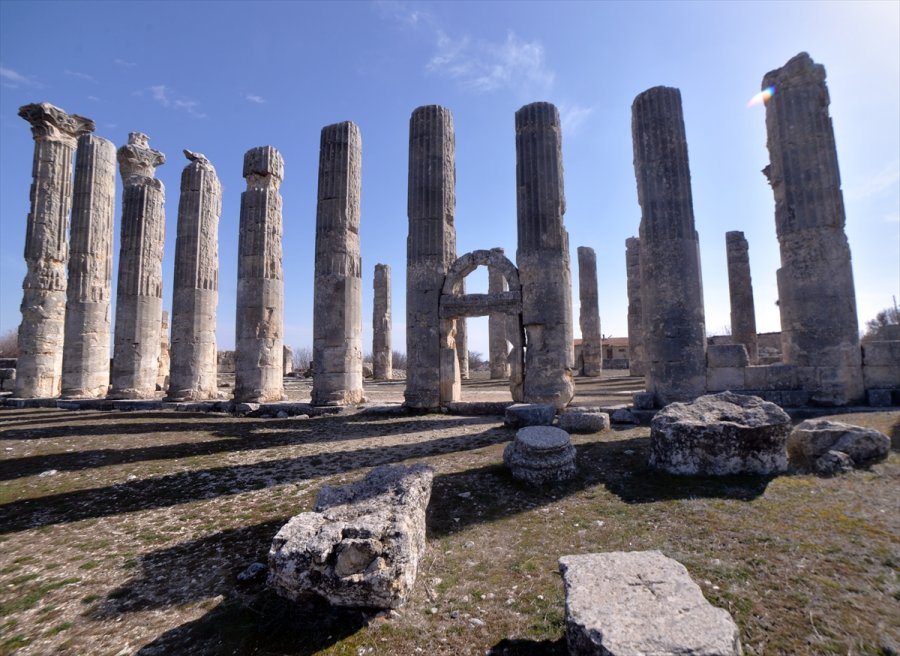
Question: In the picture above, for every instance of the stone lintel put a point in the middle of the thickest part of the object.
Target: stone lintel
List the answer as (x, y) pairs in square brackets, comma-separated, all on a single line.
[(479, 305)]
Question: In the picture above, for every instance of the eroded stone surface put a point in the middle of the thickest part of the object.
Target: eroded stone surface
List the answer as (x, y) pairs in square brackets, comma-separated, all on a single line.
[(540, 455), (636, 359), (497, 342), (583, 420), (814, 443), (740, 293), (519, 415), (382, 356), (589, 313)]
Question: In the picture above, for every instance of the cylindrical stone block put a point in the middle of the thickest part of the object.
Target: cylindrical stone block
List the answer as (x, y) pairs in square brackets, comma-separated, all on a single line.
[(382, 363), (89, 291), (636, 362), (259, 323), (589, 313), (740, 290), (498, 344), (671, 287), (193, 371), (543, 257)]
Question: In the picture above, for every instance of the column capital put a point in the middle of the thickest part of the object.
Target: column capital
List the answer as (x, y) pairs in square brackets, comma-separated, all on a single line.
[(138, 158), (50, 123)]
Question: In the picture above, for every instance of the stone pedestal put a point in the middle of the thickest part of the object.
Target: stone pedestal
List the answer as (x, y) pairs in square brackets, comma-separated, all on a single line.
[(498, 344), (41, 333), (258, 376), (89, 291), (740, 289), (193, 374), (636, 360), (589, 313), (382, 362), (139, 291)]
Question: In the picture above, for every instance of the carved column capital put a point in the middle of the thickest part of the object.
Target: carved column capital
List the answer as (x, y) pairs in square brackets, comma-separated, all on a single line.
[(50, 123)]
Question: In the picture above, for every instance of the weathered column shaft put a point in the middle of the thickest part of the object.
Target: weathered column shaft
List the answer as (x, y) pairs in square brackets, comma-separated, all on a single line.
[(41, 333), (462, 343), (497, 342), (139, 291), (337, 312), (259, 323), (543, 256), (164, 363), (740, 290), (636, 361), (430, 247), (816, 296), (193, 371), (85, 365), (589, 313), (671, 287), (382, 362)]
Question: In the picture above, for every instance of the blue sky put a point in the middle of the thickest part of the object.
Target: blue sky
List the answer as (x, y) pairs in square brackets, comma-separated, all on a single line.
[(220, 78)]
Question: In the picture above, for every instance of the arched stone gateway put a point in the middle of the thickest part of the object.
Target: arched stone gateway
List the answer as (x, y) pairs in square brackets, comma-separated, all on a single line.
[(455, 305)]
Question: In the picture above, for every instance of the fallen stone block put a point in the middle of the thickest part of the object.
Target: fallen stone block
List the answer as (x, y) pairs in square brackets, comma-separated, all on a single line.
[(361, 545), (519, 415), (540, 455), (819, 439), (641, 603), (583, 420), (720, 434), (623, 416), (643, 400)]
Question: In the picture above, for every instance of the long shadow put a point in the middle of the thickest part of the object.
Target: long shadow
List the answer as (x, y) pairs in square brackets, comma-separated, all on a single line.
[(895, 436), (512, 647), (116, 424)]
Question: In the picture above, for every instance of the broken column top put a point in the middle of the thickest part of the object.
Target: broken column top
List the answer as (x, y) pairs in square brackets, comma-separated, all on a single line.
[(799, 70), (263, 167), (138, 158), (54, 124), (200, 158)]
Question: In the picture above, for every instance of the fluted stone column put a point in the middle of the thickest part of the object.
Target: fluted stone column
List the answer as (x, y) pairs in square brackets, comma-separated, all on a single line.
[(817, 300), (139, 292), (259, 325), (337, 315), (382, 363), (41, 333), (430, 247), (193, 371), (636, 363), (462, 344), (671, 287), (165, 361), (85, 364), (543, 257), (497, 343), (740, 289), (589, 313)]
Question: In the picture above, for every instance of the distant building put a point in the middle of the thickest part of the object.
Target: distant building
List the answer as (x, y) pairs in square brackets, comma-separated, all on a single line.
[(615, 353)]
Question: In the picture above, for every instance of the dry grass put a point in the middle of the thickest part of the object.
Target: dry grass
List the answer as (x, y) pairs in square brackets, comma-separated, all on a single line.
[(135, 543)]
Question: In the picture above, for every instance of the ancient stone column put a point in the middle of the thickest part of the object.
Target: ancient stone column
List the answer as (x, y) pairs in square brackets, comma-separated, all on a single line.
[(165, 361), (85, 364), (41, 333), (817, 300), (430, 247), (671, 287), (382, 363), (740, 289), (589, 313), (497, 343), (543, 257), (462, 345), (259, 325), (193, 371), (636, 364), (139, 292), (288, 360), (337, 309)]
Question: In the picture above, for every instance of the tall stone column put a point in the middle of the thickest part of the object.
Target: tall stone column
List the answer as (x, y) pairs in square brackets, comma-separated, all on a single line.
[(193, 371), (671, 287), (462, 346), (498, 345), (817, 300), (41, 333), (589, 312), (337, 311), (164, 362), (636, 363), (382, 362), (85, 364), (139, 291), (740, 289), (430, 248), (259, 325), (543, 257)]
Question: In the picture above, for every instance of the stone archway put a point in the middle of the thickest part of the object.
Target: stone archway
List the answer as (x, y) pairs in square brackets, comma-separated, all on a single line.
[(455, 305)]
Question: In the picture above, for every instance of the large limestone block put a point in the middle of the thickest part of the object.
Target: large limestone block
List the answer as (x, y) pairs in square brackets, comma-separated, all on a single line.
[(519, 415), (583, 420), (726, 355), (813, 440), (362, 543), (720, 434), (641, 603)]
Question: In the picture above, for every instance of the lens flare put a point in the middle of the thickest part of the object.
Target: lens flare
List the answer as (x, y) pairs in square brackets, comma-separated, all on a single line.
[(762, 97)]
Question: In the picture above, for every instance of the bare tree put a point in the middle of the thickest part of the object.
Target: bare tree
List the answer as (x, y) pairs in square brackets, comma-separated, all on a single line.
[(887, 317), (9, 344)]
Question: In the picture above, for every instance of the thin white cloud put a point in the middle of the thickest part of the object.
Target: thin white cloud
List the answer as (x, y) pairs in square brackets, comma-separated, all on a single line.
[(572, 116), (167, 97), (13, 79), (887, 178), (123, 63), (160, 94), (402, 13), (259, 100), (81, 76), (94, 98)]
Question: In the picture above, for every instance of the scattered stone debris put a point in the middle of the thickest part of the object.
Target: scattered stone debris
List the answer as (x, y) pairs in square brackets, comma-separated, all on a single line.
[(833, 447), (583, 420), (519, 415)]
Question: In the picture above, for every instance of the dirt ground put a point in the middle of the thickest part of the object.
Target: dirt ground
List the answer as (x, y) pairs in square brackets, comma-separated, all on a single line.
[(124, 533)]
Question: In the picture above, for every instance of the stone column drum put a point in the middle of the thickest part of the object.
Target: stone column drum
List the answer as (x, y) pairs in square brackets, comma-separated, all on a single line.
[(817, 300), (41, 333), (139, 291), (740, 291), (193, 372), (636, 364), (165, 361), (671, 287), (542, 257), (382, 362), (462, 344), (430, 248), (259, 324), (85, 364), (337, 313), (497, 342), (589, 313)]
